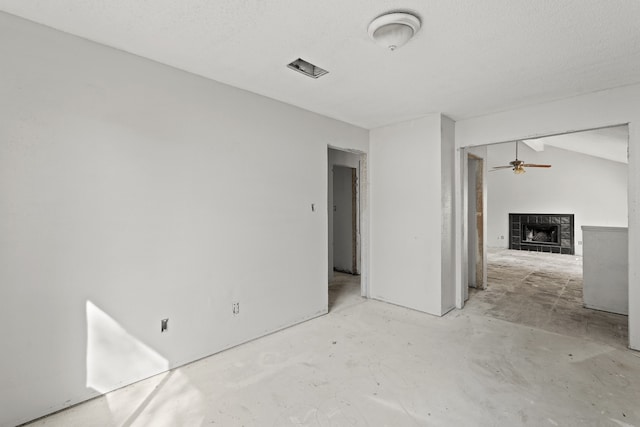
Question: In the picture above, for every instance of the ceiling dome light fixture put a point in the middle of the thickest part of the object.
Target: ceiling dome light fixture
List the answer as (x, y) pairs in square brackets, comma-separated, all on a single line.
[(393, 30)]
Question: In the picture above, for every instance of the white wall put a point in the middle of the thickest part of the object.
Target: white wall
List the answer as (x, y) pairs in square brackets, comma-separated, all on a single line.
[(591, 188), (406, 205), (599, 109), (605, 267), (448, 175), (132, 192)]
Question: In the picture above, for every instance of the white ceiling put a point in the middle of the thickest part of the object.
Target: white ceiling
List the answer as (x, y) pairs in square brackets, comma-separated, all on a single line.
[(607, 143), (471, 57)]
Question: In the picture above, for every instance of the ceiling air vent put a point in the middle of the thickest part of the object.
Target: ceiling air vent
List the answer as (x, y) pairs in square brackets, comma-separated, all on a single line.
[(307, 68)]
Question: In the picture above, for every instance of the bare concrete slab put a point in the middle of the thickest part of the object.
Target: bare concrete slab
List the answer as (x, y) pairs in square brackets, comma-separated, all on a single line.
[(545, 291)]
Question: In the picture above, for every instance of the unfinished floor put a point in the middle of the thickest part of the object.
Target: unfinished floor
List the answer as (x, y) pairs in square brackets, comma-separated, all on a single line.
[(369, 363), (545, 291)]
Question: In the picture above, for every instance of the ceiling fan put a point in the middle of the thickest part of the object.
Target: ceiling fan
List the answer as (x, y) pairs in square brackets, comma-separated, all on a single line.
[(518, 165)]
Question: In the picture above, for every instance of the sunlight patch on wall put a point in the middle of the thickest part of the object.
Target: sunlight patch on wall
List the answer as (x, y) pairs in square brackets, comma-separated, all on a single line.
[(114, 357)]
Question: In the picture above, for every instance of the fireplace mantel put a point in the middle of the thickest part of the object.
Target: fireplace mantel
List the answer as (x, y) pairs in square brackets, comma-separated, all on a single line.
[(541, 232)]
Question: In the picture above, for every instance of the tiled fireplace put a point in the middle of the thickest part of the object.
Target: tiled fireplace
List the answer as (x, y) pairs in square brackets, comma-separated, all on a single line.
[(541, 232)]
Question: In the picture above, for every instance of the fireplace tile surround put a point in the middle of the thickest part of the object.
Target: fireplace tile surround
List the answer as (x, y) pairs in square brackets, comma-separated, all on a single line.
[(552, 233)]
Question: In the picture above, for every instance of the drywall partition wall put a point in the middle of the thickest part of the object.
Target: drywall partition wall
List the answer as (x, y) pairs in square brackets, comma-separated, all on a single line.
[(605, 269), (131, 192), (591, 188), (447, 198), (405, 176), (605, 108)]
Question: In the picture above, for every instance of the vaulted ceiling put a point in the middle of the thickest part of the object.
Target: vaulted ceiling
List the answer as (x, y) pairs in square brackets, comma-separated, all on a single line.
[(471, 57), (607, 143)]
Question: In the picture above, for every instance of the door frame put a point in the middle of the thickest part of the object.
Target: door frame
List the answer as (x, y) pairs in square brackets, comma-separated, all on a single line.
[(478, 156), (466, 154), (357, 160), (349, 184)]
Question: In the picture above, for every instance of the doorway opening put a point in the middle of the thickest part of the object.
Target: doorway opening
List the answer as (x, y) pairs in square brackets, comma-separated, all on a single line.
[(476, 221), (346, 203), (345, 220), (534, 284)]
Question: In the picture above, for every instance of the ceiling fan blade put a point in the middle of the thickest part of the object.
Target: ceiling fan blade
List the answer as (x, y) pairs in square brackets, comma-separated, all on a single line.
[(530, 165), (502, 167)]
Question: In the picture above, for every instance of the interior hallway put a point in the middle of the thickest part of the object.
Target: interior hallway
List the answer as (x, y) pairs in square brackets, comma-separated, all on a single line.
[(545, 291), (377, 364), (344, 291)]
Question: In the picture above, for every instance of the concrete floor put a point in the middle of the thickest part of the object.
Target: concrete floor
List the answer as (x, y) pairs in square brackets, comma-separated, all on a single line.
[(545, 291), (369, 363)]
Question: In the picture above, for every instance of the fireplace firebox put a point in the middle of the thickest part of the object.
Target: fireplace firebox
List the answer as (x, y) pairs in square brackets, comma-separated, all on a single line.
[(542, 233), (538, 233)]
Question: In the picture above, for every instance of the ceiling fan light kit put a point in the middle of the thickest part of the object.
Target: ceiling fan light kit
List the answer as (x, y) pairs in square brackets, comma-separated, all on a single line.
[(518, 166), (393, 30)]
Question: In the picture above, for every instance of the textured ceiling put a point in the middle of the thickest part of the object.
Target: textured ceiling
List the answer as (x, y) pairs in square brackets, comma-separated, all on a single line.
[(471, 57)]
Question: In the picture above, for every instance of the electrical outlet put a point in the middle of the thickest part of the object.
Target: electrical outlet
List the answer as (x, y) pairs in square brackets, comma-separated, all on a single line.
[(164, 325), (236, 308)]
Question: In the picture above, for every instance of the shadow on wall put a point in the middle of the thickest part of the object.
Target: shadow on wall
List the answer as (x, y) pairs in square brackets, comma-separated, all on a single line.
[(115, 357)]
